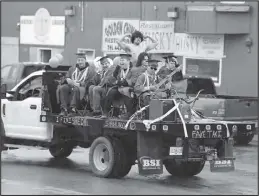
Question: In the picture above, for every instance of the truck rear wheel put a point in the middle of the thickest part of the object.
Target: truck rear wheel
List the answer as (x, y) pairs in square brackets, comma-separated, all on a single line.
[(124, 162), (61, 151), (108, 159), (244, 139), (184, 169)]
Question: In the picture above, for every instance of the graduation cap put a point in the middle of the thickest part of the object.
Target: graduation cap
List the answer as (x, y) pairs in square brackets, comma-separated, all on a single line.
[(80, 55), (125, 55), (172, 56), (153, 62), (102, 58)]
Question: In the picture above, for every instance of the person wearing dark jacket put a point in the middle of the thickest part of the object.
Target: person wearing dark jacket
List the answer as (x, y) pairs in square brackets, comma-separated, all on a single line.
[(77, 81), (171, 64), (122, 75), (98, 92)]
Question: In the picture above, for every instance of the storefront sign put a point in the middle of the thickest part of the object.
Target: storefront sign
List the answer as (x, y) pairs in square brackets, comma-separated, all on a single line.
[(182, 44), (162, 32), (198, 45), (114, 29), (42, 29)]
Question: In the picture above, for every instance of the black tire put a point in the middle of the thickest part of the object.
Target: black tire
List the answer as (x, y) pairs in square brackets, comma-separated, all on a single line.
[(118, 165), (184, 169), (61, 151), (104, 144), (124, 163), (244, 139)]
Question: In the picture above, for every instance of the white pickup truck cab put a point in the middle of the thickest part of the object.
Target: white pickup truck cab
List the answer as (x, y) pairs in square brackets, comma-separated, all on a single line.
[(21, 110)]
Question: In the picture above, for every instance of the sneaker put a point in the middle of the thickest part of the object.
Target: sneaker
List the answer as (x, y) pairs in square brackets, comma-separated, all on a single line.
[(63, 112), (73, 110), (104, 116)]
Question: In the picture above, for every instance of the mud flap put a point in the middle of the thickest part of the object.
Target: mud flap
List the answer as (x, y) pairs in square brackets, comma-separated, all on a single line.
[(225, 164), (149, 153)]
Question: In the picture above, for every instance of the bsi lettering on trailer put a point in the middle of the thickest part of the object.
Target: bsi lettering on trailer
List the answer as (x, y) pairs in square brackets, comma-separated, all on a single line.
[(149, 163)]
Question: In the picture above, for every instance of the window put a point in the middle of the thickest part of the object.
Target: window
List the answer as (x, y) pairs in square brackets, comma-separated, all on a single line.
[(30, 69), (5, 72), (31, 88), (203, 67), (44, 55)]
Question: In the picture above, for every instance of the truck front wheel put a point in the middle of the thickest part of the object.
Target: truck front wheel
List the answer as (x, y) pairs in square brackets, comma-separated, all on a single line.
[(60, 151), (184, 169)]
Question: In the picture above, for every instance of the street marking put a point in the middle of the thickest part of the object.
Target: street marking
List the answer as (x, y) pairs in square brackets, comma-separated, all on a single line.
[(59, 191)]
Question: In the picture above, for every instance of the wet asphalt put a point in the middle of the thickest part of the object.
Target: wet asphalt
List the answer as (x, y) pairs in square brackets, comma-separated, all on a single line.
[(34, 171)]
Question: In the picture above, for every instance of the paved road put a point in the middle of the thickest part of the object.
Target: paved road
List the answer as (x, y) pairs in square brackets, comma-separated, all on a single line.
[(27, 171)]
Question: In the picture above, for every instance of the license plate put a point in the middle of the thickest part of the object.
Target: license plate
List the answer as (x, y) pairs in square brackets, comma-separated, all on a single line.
[(176, 151), (222, 165)]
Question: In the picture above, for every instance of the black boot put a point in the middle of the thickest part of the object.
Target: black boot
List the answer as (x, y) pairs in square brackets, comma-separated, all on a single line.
[(97, 113)]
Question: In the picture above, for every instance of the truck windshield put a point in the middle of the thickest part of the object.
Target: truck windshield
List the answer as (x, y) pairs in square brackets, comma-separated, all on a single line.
[(28, 69)]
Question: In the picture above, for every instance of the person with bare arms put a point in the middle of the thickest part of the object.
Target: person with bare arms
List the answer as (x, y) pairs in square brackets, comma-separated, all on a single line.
[(135, 47)]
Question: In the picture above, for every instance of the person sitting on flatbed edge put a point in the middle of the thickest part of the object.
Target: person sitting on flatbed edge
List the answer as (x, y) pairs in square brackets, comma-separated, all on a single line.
[(75, 86), (121, 91), (97, 92)]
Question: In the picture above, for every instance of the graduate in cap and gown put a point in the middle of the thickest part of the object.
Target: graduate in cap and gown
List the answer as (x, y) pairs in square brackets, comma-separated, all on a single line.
[(147, 83), (75, 85), (120, 91), (177, 81), (98, 92)]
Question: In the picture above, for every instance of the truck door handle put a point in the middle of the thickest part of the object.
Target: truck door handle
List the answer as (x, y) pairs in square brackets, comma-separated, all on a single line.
[(33, 107), (4, 106)]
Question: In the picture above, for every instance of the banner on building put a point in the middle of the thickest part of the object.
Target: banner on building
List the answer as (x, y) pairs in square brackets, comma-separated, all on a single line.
[(114, 29), (198, 45), (42, 29), (182, 44), (162, 32)]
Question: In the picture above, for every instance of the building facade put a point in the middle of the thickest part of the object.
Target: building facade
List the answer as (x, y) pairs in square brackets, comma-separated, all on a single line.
[(211, 38)]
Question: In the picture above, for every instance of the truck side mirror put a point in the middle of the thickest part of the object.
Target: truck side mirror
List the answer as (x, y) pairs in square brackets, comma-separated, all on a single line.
[(3, 90)]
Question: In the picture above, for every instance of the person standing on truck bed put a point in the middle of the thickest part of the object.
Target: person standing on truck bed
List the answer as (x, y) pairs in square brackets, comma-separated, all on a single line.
[(146, 83), (135, 47), (75, 86), (120, 91)]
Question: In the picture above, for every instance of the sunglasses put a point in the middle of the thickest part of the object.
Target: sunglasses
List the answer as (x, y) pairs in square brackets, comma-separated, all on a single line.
[(153, 68)]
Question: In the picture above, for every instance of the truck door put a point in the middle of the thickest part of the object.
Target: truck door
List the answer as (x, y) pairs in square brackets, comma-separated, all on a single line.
[(21, 114)]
